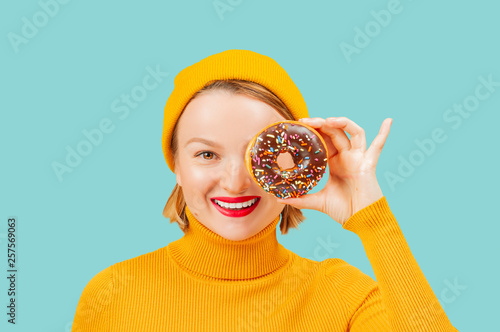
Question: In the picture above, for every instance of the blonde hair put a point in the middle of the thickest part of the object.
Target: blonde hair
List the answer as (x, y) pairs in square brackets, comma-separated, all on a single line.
[(175, 207)]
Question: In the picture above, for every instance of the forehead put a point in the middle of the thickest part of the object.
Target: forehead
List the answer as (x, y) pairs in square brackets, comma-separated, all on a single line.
[(219, 114)]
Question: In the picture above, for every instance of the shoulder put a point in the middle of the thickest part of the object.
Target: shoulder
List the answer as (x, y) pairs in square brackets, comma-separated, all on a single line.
[(98, 290), (335, 271), (103, 284), (93, 301), (351, 283), (336, 281), (143, 261), (110, 283), (344, 274)]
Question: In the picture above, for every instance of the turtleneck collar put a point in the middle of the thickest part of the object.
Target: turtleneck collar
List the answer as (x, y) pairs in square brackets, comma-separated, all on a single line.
[(205, 252)]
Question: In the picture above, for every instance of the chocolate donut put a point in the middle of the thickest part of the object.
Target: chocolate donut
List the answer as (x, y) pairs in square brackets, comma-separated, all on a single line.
[(307, 149)]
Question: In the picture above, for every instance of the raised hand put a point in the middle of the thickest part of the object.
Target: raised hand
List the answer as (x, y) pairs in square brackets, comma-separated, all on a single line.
[(352, 183)]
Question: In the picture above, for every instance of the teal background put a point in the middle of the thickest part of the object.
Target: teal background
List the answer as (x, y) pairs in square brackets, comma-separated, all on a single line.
[(65, 78)]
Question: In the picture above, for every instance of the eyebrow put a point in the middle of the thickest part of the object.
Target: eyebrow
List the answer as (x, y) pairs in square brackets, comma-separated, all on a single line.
[(202, 140)]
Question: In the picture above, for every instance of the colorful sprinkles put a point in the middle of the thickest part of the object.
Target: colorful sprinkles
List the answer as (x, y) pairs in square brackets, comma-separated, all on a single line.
[(308, 153)]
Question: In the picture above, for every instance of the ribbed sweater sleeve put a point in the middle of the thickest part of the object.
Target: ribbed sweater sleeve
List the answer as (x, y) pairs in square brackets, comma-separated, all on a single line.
[(402, 298), (91, 311)]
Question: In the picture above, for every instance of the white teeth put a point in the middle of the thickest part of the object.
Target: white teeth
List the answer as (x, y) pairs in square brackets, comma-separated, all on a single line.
[(236, 205)]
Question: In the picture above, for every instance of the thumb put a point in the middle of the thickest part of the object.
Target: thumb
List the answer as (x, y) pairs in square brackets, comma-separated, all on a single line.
[(308, 201)]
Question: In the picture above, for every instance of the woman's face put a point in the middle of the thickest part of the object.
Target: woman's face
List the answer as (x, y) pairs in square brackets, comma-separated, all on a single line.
[(213, 134)]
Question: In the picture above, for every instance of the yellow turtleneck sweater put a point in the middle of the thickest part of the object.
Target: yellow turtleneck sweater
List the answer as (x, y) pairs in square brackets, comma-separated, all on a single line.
[(204, 282)]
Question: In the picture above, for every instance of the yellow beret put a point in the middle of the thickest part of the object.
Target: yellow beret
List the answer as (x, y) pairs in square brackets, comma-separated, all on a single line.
[(230, 64)]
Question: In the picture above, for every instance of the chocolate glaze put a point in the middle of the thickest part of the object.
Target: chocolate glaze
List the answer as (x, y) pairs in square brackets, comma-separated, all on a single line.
[(308, 153)]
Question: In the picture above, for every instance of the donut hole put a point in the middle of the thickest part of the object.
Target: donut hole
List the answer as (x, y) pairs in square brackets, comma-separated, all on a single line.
[(285, 160)]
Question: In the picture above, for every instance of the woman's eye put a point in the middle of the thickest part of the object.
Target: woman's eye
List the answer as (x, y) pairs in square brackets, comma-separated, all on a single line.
[(207, 155)]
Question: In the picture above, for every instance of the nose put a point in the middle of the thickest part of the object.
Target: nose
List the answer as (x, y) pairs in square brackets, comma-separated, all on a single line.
[(235, 178)]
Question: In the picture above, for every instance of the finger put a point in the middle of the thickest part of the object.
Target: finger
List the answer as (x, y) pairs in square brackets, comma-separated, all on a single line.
[(378, 143), (358, 139), (332, 150), (337, 136)]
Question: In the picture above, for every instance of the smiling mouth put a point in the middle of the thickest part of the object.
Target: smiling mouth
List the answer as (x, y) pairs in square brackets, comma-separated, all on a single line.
[(236, 206)]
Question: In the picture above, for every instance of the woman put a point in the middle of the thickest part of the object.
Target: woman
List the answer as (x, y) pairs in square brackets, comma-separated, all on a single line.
[(228, 272)]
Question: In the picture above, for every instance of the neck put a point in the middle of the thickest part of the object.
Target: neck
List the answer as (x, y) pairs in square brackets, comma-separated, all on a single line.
[(205, 252)]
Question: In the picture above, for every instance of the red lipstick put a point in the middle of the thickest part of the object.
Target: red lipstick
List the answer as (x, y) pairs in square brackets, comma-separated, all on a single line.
[(235, 213)]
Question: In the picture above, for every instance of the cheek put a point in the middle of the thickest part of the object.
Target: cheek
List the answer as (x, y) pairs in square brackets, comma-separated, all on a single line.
[(197, 185), (271, 203)]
